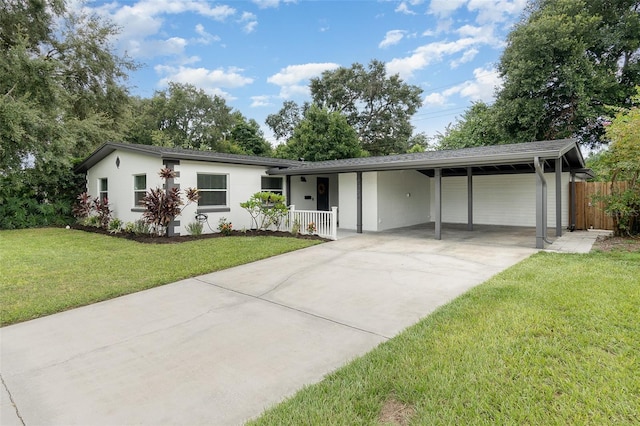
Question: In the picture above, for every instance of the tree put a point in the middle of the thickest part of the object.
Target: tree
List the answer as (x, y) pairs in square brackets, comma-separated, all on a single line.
[(563, 64), (248, 136), (61, 91), (622, 162), (286, 120), (321, 135), (62, 94), (477, 127), (378, 107), (184, 116)]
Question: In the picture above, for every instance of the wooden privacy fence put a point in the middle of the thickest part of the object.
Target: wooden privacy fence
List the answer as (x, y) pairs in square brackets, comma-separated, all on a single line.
[(590, 214)]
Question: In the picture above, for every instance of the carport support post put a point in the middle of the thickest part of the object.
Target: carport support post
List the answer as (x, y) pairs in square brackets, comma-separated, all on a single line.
[(541, 205), (288, 194), (359, 202), (469, 199), (437, 173), (559, 197)]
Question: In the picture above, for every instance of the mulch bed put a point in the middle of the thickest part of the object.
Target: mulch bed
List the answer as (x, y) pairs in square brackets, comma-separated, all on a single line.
[(610, 243), (151, 239)]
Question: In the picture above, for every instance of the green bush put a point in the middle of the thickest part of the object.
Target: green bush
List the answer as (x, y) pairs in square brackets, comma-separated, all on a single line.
[(194, 228)]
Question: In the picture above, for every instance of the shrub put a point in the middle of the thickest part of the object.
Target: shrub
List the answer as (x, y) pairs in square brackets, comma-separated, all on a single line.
[(295, 228), (115, 226), (311, 228), (92, 212), (224, 226), (194, 228), (163, 206), (266, 209), (139, 227)]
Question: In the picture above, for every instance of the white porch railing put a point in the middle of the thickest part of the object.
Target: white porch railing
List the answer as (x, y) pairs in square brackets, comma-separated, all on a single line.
[(322, 223)]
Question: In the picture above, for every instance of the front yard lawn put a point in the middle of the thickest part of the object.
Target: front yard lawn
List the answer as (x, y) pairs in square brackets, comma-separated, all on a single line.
[(49, 270), (552, 340)]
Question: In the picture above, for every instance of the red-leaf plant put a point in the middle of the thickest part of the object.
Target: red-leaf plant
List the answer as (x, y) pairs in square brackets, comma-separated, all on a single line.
[(162, 206)]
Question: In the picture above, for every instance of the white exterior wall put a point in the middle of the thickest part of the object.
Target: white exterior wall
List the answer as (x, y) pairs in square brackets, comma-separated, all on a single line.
[(347, 201), (501, 199), (403, 199), (243, 181), (300, 190), (120, 180)]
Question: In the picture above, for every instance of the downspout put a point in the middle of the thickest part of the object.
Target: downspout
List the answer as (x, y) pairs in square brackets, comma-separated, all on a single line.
[(541, 215), (573, 201)]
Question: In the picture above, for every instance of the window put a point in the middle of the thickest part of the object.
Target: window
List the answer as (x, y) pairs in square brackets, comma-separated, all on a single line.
[(212, 190), (103, 189), (272, 184), (139, 189)]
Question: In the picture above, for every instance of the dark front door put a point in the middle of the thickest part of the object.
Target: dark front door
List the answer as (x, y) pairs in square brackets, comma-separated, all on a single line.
[(322, 196)]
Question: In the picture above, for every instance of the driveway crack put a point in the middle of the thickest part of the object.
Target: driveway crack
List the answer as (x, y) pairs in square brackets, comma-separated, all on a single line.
[(259, 297), (15, 407)]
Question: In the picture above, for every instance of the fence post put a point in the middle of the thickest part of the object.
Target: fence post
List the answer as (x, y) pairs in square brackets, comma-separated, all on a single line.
[(334, 223), (292, 216)]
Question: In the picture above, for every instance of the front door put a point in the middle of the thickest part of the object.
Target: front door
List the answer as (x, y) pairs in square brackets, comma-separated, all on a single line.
[(322, 196)]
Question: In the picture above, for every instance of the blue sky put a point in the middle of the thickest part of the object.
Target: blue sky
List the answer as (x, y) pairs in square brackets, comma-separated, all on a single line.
[(257, 54)]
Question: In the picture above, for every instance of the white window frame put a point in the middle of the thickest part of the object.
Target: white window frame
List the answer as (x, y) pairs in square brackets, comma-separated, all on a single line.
[(103, 193), (139, 192), (226, 190)]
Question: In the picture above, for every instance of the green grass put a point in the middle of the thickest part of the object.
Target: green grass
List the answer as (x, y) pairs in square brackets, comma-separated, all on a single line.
[(49, 270), (552, 340)]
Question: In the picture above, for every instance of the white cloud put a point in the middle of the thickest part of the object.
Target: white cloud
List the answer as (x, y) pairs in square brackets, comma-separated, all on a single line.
[(290, 78), (296, 73), (264, 4), (404, 8), (142, 20), (445, 7), (427, 54), (467, 56), (493, 11), (482, 88), (434, 99), (260, 101), (392, 37), (211, 81), (205, 37), (250, 22)]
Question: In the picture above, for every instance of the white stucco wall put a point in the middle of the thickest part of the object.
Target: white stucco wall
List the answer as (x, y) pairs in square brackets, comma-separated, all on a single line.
[(120, 180), (300, 190), (347, 201), (403, 199), (243, 181), (500, 199)]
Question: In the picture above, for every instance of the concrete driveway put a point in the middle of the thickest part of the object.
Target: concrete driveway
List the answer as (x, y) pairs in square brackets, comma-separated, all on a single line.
[(220, 348)]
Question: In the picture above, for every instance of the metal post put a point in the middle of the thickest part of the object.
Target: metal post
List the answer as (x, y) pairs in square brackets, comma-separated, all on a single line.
[(559, 197), (288, 193), (469, 199), (359, 202), (541, 207), (438, 200)]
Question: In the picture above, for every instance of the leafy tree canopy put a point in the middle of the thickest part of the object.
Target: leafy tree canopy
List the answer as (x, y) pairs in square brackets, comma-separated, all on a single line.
[(379, 107), (563, 64), (61, 84), (321, 135)]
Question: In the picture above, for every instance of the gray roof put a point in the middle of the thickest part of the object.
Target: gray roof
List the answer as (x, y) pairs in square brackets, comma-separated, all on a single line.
[(166, 153), (495, 159), (511, 158)]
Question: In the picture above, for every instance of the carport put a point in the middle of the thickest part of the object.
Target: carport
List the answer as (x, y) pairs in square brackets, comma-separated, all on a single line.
[(557, 157)]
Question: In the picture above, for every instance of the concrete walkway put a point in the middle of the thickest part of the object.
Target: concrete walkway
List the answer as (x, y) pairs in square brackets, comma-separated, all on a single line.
[(576, 242), (220, 348)]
